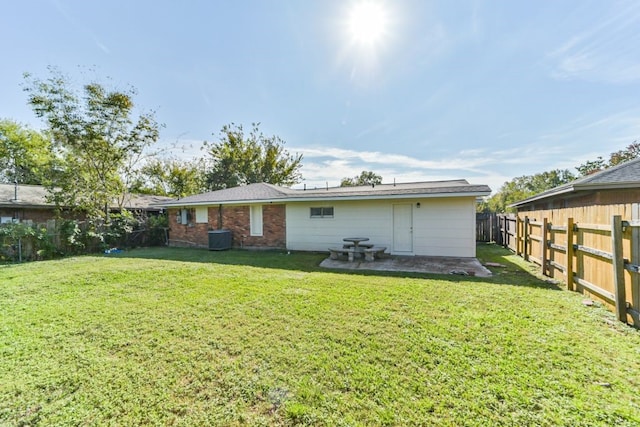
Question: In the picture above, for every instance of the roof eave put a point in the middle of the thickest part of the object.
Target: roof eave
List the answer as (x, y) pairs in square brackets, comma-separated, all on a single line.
[(532, 199), (329, 198), (579, 187), (608, 186), (393, 197), (180, 203)]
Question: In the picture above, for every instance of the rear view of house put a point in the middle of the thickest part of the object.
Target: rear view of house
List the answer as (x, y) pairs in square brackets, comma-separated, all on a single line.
[(425, 218)]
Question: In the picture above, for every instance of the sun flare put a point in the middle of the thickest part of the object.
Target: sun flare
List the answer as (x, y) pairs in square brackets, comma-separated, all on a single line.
[(367, 22)]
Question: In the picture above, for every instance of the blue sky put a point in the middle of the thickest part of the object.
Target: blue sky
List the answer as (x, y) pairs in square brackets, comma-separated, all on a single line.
[(481, 90)]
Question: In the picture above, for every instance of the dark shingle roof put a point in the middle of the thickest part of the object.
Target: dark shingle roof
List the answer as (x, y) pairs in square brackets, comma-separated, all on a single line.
[(35, 196), (624, 175), (251, 192), (29, 196), (267, 192)]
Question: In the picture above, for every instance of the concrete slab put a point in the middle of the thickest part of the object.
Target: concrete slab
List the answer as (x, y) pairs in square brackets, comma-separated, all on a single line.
[(414, 264)]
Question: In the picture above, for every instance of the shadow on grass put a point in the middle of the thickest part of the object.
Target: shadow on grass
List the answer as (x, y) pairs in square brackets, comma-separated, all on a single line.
[(513, 269), (516, 272)]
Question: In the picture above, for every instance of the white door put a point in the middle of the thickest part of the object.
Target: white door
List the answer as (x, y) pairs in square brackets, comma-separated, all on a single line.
[(402, 228)]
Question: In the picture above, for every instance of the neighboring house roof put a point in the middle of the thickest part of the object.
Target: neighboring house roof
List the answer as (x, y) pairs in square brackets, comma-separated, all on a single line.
[(148, 202), (263, 192), (624, 175), (35, 197), (29, 196)]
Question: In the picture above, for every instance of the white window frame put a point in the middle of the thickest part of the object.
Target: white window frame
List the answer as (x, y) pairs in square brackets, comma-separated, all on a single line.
[(322, 212), (255, 220)]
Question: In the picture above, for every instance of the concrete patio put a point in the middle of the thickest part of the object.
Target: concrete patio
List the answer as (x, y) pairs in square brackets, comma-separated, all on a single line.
[(414, 264)]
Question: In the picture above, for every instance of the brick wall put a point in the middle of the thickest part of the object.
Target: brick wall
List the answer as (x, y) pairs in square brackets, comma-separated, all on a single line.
[(38, 216), (236, 219), (190, 234)]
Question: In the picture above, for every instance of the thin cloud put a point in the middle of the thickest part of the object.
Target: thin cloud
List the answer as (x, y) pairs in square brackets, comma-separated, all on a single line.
[(379, 158), (606, 52), (79, 27)]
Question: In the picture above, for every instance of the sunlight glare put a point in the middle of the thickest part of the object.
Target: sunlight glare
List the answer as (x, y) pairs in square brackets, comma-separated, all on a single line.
[(368, 22)]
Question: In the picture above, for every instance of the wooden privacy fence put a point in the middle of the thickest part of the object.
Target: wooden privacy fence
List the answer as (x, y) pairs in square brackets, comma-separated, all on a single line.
[(499, 228), (599, 259)]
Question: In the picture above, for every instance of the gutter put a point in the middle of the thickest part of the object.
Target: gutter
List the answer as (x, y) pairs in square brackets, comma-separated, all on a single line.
[(578, 187), (541, 197), (323, 199)]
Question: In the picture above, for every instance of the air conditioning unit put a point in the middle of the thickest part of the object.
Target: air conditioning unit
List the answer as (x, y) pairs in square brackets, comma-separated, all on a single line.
[(219, 240)]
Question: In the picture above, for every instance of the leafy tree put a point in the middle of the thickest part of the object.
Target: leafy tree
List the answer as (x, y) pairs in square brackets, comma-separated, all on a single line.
[(95, 139), (632, 151), (240, 159), (365, 178), (24, 154), (170, 177), (591, 166), (525, 186)]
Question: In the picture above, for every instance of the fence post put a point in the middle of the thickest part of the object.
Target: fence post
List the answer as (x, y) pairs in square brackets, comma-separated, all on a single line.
[(525, 239), (635, 259), (569, 266), (543, 255), (494, 221), (618, 268), (518, 236)]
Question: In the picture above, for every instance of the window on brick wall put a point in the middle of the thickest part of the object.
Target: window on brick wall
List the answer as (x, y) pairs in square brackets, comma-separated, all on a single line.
[(184, 216), (324, 212), (256, 220), (202, 214)]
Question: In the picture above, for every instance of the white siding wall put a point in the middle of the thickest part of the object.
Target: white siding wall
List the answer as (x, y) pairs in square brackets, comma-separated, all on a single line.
[(441, 227), (445, 227)]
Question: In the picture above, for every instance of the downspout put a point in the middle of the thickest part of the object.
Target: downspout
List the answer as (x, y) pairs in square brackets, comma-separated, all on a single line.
[(220, 216)]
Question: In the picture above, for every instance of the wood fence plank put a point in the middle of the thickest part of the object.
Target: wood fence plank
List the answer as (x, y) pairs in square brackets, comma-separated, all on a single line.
[(558, 247), (518, 234), (618, 268), (569, 267), (544, 243), (558, 266), (595, 289), (525, 239), (592, 251), (635, 259), (535, 260), (593, 227)]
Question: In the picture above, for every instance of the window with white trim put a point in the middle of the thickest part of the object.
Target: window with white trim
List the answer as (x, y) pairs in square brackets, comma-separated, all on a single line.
[(322, 212), (255, 219)]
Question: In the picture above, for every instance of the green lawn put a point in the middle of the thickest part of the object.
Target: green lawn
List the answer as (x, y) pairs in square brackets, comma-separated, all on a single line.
[(192, 337)]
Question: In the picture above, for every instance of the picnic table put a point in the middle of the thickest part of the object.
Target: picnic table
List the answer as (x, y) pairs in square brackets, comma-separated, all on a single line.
[(355, 248), (355, 241)]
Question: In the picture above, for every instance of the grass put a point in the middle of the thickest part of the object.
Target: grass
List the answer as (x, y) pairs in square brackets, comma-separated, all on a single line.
[(190, 337)]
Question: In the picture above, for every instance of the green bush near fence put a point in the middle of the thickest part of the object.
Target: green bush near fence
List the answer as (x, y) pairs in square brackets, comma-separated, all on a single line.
[(25, 242)]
